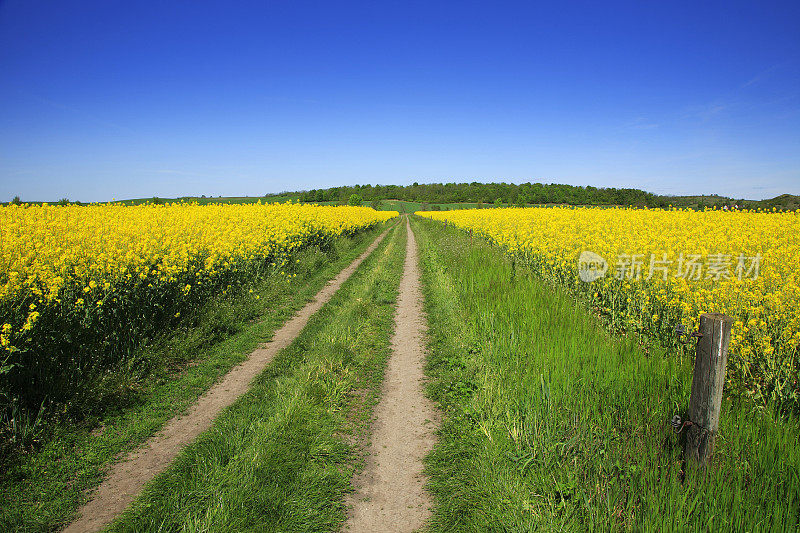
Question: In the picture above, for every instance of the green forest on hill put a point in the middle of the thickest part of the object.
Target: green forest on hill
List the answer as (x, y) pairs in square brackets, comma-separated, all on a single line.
[(470, 195), (446, 196)]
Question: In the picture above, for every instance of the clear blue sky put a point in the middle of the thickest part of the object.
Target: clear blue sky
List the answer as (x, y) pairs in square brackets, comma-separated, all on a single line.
[(112, 99)]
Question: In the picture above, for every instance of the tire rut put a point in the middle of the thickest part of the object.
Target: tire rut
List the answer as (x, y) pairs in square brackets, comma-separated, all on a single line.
[(390, 492), (128, 477)]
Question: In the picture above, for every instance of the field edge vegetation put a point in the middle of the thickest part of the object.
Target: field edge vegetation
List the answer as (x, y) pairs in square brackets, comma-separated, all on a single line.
[(550, 421), (82, 288), (666, 267), (44, 482), (281, 458)]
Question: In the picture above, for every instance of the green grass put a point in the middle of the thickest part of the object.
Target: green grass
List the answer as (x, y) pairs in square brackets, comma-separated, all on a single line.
[(281, 198), (551, 423), (214, 200), (401, 206), (42, 488), (404, 206), (281, 458)]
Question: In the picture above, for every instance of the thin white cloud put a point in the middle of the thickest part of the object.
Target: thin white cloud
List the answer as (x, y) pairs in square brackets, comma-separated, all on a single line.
[(761, 76), (77, 111), (642, 123)]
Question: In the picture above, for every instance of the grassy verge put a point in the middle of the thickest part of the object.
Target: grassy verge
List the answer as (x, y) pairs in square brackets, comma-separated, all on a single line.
[(41, 489), (282, 457), (552, 423)]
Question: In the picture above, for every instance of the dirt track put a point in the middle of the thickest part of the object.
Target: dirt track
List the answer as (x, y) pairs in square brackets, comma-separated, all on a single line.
[(390, 494), (127, 478)]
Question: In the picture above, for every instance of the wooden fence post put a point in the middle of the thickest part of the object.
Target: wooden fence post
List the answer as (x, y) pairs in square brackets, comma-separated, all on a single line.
[(707, 384)]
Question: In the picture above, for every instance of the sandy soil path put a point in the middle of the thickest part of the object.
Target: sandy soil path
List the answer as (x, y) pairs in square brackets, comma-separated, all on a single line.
[(390, 493), (127, 478)]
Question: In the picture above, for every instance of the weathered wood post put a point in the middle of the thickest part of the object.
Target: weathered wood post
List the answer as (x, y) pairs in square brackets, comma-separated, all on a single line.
[(707, 384)]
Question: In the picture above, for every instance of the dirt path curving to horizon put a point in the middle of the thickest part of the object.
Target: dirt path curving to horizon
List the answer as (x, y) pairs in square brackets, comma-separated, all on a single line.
[(390, 492), (126, 478)]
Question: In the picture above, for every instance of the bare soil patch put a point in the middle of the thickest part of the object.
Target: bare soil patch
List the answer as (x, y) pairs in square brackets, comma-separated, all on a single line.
[(390, 492)]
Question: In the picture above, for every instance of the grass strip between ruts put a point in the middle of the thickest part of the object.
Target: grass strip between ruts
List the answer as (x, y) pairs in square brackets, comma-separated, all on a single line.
[(281, 458)]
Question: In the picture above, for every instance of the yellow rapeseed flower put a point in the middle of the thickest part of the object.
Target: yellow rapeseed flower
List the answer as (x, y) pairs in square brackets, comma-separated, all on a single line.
[(666, 267)]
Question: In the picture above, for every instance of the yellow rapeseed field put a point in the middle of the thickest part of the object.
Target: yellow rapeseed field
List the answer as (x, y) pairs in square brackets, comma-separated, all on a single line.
[(83, 259), (659, 268)]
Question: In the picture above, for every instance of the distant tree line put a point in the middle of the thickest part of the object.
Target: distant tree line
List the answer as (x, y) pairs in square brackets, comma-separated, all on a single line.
[(432, 195), (488, 193), (505, 194)]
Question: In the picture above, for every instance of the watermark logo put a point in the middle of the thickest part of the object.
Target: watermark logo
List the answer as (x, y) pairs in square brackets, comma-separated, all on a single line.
[(691, 267), (591, 266)]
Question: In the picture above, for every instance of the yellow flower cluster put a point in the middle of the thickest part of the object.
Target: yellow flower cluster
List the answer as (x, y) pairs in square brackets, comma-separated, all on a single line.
[(659, 268), (49, 253)]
